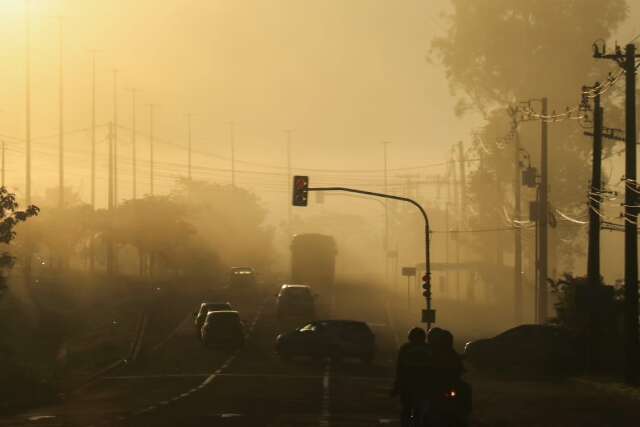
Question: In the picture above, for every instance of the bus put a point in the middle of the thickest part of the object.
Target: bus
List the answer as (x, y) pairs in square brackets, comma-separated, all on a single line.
[(313, 261)]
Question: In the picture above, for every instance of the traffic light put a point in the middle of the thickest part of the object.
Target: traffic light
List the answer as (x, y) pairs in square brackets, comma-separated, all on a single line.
[(300, 193), (426, 286)]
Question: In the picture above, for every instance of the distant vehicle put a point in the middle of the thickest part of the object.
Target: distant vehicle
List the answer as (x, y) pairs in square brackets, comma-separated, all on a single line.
[(526, 349), (223, 329), (242, 280), (313, 259), (200, 315), (296, 301), (328, 338)]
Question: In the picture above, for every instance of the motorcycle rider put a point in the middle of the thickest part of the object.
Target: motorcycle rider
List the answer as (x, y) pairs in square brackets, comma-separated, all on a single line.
[(413, 371)]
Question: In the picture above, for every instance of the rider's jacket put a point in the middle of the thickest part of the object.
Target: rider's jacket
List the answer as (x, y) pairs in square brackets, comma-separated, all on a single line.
[(414, 368)]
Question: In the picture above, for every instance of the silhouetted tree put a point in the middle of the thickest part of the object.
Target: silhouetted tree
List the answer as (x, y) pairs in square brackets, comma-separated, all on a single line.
[(501, 52), (10, 216)]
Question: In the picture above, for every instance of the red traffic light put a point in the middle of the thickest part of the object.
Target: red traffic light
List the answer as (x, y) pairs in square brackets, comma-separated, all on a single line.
[(425, 278), (300, 193)]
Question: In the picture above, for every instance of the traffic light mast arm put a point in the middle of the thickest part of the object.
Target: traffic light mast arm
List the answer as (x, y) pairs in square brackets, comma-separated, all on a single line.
[(426, 229)]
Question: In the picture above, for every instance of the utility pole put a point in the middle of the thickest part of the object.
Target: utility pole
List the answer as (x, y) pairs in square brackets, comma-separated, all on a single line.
[(151, 148), (517, 263), (463, 204), (289, 179), (110, 174), (233, 154), (631, 222), (544, 214), (115, 137), (3, 164), (189, 147), (61, 120), (110, 257), (93, 132), (386, 211), (595, 197), (28, 104), (456, 200), (134, 152), (627, 61)]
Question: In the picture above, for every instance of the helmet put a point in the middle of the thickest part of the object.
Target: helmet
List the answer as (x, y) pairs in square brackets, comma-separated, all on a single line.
[(435, 335), (440, 338), (417, 335)]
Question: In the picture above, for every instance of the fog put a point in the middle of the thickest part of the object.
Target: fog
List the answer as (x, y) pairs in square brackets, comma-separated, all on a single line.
[(334, 84)]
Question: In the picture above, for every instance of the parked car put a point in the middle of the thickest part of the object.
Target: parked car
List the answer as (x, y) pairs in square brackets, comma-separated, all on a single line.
[(526, 349), (201, 313), (296, 301), (223, 329), (328, 338)]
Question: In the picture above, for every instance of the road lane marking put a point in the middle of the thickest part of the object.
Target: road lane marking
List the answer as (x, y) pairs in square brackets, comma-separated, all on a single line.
[(326, 395), (240, 375), (210, 377)]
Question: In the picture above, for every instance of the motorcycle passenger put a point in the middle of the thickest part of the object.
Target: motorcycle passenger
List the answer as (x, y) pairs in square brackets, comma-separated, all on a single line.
[(413, 371), (448, 370)]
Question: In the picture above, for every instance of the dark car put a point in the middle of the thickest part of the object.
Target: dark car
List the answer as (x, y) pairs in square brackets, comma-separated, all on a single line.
[(526, 349), (296, 301), (242, 280), (328, 338), (223, 329), (201, 314)]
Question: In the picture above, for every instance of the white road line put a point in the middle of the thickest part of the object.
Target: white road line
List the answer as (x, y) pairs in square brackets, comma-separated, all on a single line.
[(326, 395), (217, 372), (256, 375)]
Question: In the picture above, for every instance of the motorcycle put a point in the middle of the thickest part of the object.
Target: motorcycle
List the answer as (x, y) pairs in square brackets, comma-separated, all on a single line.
[(451, 407)]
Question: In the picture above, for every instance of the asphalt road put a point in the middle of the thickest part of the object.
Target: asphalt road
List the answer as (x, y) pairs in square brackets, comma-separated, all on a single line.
[(178, 382)]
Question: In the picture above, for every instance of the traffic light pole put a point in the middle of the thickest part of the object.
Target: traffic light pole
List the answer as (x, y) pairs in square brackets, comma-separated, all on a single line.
[(428, 315)]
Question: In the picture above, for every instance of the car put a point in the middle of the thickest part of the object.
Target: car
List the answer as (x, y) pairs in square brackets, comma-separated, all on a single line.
[(526, 349), (223, 329), (242, 280), (201, 313), (336, 339), (295, 301)]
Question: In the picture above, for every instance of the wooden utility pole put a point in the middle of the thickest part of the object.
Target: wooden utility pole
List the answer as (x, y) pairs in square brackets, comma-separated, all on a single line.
[(115, 137), (517, 214), (595, 196), (61, 119), (93, 134), (3, 164), (28, 105), (189, 146), (151, 148), (134, 149), (543, 217), (627, 61)]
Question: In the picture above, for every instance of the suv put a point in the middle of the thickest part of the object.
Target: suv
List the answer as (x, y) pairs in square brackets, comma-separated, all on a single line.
[(328, 338), (223, 329), (295, 301), (200, 315)]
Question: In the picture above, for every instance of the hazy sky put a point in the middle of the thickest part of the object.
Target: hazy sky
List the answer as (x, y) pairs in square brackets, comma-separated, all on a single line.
[(344, 75)]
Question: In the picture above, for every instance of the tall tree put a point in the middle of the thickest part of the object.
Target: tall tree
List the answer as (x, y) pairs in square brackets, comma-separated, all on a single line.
[(499, 52)]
